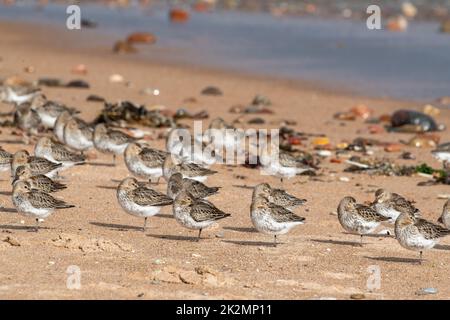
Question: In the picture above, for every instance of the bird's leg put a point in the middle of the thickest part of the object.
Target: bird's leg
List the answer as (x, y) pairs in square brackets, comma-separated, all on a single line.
[(275, 240), (199, 232), (145, 224), (361, 243), (114, 159), (36, 228), (420, 257)]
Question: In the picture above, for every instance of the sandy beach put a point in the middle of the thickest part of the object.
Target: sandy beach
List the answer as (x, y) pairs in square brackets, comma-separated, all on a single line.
[(118, 260)]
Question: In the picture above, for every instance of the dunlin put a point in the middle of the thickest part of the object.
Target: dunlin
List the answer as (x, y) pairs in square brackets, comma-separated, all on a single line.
[(272, 219), (38, 182), (140, 201), (57, 152), (195, 214), (197, 189), (190, 151), (18, 95), (27, 119), (417, 234), (277, 196), (145, 162), (357, 218), (78, 135), (187, 169), (37, 165), (445, 217), (36, 204), (283, 164), (111, 141), (391, 205), (60, 123), (49, 111), (5, 160)]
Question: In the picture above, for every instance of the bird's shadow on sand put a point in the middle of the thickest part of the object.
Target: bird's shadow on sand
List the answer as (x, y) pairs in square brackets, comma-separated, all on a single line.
[(106, 187), (240, 229), (29, 228), (395, 259), (12, 142), (120, 227), (338, 242), (252, 243), (100, 164), (173, 237), (442, 247)]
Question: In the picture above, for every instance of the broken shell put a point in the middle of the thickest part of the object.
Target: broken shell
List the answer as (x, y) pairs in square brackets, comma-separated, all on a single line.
[(393, 147), (116, 78), (141, 37), (79, 69), (361, 111), (397, 24), (321, 141), (178, 15)]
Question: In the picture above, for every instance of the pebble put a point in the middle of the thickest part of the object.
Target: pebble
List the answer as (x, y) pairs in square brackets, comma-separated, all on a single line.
[(357, 296), (426, 291), (116, 78), (344, 179), (77, 84), (13, 242), (443, 196), (212, 91)]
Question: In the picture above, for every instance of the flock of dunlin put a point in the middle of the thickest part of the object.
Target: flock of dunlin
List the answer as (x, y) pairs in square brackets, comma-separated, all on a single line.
[(271, 209)]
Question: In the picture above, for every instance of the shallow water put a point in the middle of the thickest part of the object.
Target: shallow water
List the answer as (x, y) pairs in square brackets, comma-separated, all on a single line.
[(336, 53)]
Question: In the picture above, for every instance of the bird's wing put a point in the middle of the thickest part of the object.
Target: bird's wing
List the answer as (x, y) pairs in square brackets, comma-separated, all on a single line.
[(203, 210), (430, 230), (281, 214), (148, 197), (369, 214)]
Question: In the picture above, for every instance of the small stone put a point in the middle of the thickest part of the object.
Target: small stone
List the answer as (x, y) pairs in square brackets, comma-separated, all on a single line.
[(30, 69), (123, 47), (77, 84), (344, 179), (393, 147), (178, 15), (13, 242), (407, 156), (212, 91), (220, 235), (116, 78), (426, 291), (158, 261), (95, 98), (80, 69), (256, 121), (140, 295), (261, 100), (357, 296), (141, 37), (443, 196)]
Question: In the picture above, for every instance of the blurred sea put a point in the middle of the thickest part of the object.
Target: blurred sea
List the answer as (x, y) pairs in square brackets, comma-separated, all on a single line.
[(335, 53)]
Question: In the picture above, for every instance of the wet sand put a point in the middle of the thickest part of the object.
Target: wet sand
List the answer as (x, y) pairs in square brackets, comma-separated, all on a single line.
[(117, 260)]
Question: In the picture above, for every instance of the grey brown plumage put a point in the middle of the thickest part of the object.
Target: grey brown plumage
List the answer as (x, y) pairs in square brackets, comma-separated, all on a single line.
[(37, 165), (37, 182), (197, 189)]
